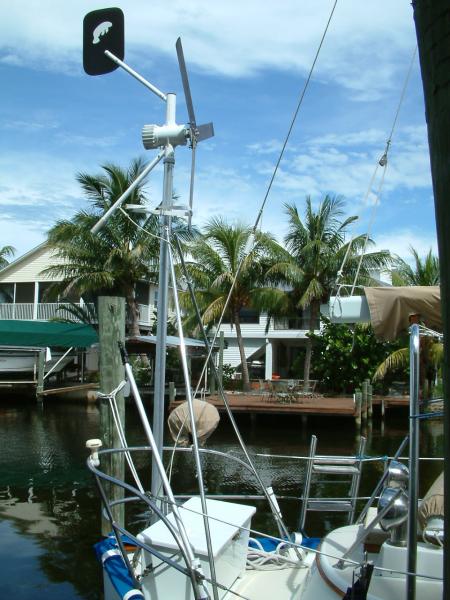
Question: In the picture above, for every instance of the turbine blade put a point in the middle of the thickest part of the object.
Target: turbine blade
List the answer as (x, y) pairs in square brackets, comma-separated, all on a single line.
[(185, 80), (205, 131)]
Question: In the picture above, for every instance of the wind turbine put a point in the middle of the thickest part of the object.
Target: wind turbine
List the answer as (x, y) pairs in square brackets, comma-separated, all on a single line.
[(103, 52)]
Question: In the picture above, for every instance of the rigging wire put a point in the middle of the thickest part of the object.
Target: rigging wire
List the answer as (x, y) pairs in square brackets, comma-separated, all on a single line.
[(382, 162), (251, 239), (294, 118)]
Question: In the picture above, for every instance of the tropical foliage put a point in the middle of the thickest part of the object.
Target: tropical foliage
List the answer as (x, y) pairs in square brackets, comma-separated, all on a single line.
[(6, 252), (120, 255), (345, 356), (316, 252), (424, 271), (223, 264), (431, 358)]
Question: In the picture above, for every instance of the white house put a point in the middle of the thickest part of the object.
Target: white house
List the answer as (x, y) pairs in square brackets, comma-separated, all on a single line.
[(23, 288), (278, 350)]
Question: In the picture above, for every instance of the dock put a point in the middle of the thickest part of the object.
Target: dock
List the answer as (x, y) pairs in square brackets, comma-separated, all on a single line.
[(316, 405)]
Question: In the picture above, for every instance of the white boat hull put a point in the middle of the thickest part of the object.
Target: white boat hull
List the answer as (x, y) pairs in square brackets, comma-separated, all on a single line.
[(25, 362)]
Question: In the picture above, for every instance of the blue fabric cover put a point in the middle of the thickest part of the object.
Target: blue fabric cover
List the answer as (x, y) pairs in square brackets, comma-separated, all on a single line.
[(116, 569), (270, 544)]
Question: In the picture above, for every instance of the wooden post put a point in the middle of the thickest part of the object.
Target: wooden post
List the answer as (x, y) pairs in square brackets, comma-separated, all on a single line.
[(369, 400), (212, 381), (111, 322), (40, 374), (383, 408), (364, 400), (358, 401), (171, 391), (221, 347)]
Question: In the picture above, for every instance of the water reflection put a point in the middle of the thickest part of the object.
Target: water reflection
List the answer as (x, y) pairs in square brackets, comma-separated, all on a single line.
[(49, 509)]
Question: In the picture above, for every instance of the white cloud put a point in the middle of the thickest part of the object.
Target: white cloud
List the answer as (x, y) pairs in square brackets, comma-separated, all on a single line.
[(367, 43), (399, 241), (22, 236), (340, 164)]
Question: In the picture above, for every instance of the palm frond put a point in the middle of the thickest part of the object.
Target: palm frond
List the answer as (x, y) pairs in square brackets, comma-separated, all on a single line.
[(398, 358)]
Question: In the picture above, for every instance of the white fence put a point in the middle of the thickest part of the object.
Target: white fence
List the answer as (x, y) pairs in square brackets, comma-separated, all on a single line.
[(45, 311)]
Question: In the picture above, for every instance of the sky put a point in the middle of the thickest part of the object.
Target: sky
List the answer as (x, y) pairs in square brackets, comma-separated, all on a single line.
[(248, 62)]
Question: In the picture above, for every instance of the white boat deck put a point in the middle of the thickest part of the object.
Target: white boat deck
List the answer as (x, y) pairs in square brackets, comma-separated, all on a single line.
[(278, 584)]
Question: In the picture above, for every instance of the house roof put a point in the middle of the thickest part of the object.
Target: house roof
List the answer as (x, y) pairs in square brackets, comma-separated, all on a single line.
[(30, 266), (20, 259)]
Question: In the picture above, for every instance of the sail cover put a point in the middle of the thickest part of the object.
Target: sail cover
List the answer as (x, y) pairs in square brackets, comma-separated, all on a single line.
[(206, 420), (391, 307)]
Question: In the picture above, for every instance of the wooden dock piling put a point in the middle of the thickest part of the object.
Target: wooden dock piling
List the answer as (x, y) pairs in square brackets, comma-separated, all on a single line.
[(364, 401), (40, 374), (111, 322), (358, 407), (369, 400)]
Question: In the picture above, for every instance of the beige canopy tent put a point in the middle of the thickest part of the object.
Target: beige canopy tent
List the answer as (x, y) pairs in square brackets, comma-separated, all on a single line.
[(391, 308)]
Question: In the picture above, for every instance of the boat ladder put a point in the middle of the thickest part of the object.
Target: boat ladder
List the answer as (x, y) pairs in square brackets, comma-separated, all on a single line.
[(348, 466)]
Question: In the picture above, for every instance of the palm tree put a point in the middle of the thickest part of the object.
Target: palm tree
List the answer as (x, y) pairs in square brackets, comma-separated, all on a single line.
[(425, 272), (5, 253), (114, 260), (314, 255), (431, 359), (220, 255)]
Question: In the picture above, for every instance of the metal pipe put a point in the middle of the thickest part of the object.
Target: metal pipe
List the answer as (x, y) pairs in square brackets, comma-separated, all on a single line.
[(162, 315), (143, 497), (136, 75), (366, 530), (414, 345), (198, 463), (57, 363), (380, 483), (126, 193), (280, 524), (312, 453), (156, 459)]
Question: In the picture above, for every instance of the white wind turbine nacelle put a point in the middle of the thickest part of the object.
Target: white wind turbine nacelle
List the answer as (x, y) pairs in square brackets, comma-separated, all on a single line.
[(157, 136)]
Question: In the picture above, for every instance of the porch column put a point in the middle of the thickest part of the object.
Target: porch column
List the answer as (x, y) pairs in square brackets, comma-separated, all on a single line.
[(14, 302), (269, 360), (36, 300)]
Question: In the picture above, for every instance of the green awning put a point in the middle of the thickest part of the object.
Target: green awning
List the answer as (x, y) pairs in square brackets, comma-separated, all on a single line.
[(43, 334)]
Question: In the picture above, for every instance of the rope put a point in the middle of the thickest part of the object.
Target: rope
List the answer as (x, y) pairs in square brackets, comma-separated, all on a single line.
[(259, 559)]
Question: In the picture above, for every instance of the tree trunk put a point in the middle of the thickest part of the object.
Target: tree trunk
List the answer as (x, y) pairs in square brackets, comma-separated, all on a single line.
[(432, 19), (314, 308), (133, 325), (240, 341), (133, 313)]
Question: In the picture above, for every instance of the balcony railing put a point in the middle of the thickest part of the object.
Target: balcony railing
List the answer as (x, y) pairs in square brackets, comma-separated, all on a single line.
[(299, 323), (45, 311)]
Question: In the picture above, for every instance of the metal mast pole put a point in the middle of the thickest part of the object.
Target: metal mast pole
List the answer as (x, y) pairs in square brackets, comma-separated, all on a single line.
[(162, 310), (414, 348)]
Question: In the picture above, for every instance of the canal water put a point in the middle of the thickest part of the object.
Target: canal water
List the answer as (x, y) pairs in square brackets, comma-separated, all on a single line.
[(49, 508)]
